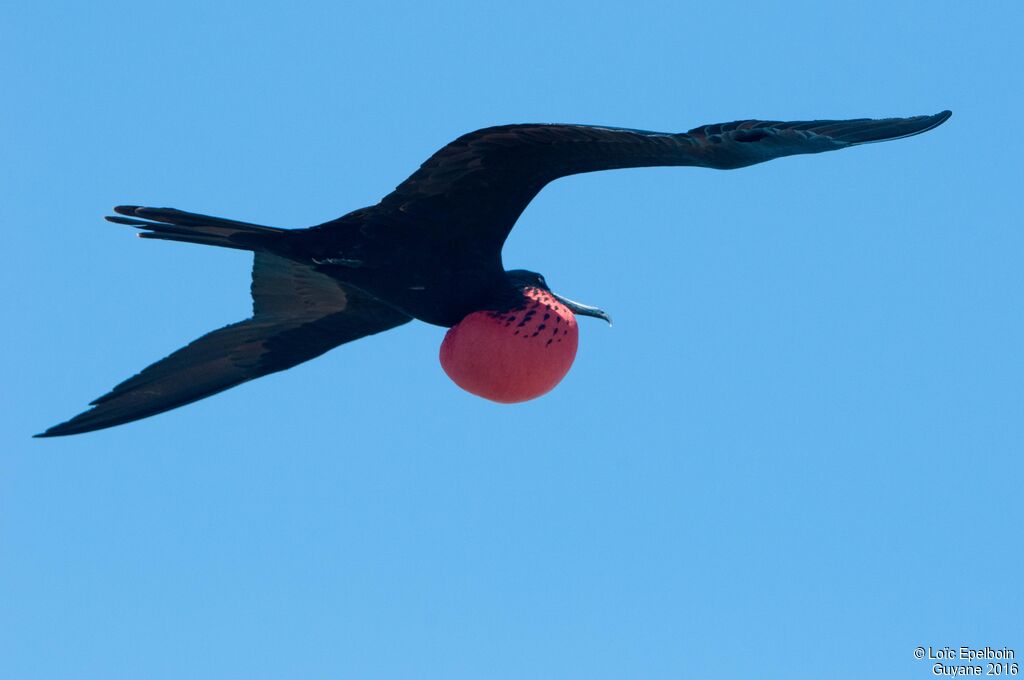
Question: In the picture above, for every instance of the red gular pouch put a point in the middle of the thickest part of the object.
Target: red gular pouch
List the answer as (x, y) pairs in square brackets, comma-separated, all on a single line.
[(512, 356)]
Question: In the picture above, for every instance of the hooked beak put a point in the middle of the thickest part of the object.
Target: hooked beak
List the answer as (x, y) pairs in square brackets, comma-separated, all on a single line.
[(583, 310)]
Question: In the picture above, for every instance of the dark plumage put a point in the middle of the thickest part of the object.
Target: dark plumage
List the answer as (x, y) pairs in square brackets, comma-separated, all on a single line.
[(430, 250)]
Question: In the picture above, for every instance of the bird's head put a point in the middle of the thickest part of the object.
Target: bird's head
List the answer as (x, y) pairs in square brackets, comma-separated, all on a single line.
[(520, 349), (524, 278)]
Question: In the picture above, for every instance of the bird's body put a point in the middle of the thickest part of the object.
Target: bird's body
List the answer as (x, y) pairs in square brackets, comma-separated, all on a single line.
[(425, 280), (431, 250)]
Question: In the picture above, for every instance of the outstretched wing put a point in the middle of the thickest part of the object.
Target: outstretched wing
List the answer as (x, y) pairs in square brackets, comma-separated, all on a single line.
[(476, 187), (298, 314)]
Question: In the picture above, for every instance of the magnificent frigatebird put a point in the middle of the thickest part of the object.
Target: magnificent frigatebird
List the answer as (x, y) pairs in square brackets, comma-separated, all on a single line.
[(431, 250)]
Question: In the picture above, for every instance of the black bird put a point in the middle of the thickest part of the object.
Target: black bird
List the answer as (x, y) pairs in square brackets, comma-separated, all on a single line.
[(431, 250)]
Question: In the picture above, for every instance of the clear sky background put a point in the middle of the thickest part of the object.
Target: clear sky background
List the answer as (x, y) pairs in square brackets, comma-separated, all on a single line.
[(796, 454)]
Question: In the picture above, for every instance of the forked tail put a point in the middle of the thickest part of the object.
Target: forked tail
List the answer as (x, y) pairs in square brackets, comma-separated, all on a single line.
[(298, 314), (169, 224)]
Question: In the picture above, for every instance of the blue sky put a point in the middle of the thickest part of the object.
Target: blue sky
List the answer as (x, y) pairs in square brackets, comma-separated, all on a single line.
[(796, 453)]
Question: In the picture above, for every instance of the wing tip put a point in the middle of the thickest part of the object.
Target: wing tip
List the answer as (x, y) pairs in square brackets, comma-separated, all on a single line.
[(929, 123), (55, 431), (85, 421), (890, 129), (80, 424), (77, 425), (938, 119)]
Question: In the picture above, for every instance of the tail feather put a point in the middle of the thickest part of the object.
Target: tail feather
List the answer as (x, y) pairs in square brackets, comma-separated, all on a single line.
[(170, 224)]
